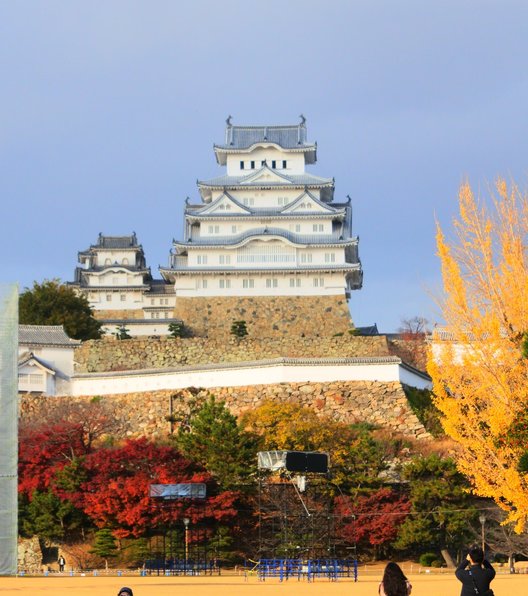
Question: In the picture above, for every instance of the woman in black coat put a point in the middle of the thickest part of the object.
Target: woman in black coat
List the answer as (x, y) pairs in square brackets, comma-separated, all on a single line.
[(475, 572)]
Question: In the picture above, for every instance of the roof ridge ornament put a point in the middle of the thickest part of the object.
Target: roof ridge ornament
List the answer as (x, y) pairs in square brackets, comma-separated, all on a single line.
[(303, 120)]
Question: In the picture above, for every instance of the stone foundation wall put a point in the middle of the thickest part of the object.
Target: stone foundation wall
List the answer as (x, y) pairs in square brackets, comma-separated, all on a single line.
[(145, 414), (29, 555), (136, 354), (269, 316), (119, 314)]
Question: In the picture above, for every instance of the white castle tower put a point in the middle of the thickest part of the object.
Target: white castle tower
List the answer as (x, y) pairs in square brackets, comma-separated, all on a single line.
[(267, 243)]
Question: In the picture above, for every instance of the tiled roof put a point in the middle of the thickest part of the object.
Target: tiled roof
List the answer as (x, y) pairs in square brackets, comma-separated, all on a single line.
[(50, 335), (288, 137), (117, 241), (314, 239), (26, 357), (289, 180)]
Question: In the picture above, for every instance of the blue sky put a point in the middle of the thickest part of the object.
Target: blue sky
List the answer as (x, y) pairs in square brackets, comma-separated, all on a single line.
[(109, 111)]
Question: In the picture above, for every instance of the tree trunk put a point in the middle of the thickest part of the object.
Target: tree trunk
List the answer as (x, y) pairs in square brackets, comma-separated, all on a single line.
[(448, 559), (511, 562)]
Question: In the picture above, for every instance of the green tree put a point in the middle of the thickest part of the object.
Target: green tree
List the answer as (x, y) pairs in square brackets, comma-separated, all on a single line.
[(214, 439), (48, 517), (104, 545), (53, 303), (441, 507)]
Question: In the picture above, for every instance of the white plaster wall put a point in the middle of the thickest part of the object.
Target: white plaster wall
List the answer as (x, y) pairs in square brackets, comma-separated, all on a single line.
[(333, 284), (94, 384), (156, 327), (60, 359), (115, 256), (295, 161)]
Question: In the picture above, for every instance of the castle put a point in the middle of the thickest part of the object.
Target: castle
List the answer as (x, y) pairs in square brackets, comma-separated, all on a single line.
[(266, 243)]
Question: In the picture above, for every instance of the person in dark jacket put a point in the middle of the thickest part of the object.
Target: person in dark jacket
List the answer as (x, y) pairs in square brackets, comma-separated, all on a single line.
[(475, 571), (125, 592)]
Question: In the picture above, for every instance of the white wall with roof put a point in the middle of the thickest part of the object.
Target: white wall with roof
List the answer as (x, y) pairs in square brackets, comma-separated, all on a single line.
[(256, 373)]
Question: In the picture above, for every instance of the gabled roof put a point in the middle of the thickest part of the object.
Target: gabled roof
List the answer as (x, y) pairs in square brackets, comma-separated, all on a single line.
[(29, 357), (113, 242), (209, 208), (48, 335), (253, 180), (307, 196)]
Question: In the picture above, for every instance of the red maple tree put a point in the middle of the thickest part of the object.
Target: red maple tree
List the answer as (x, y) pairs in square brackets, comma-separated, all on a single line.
[(373, 519), (116, 494)]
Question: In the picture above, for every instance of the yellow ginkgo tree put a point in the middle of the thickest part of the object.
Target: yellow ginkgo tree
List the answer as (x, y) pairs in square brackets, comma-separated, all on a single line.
[(480, 367)]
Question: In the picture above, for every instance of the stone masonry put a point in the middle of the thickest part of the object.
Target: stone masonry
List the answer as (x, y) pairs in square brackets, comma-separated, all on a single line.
[(265, 316), (145, 414), (141, 353)]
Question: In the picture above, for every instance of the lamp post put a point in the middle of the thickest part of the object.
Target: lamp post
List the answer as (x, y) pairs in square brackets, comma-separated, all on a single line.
[(482, 520), (186, 522)]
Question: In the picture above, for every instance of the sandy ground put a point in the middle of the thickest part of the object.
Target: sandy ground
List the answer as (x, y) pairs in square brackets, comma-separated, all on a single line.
[(367, 585)]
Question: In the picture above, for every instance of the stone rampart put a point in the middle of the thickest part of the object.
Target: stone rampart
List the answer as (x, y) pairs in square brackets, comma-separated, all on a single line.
[(141, 353), (112, 315), (265, 316), (145, 414)]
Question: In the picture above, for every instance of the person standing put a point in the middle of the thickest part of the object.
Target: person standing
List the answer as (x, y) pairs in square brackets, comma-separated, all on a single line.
[(62, 563), (475, 573), (394, 582)]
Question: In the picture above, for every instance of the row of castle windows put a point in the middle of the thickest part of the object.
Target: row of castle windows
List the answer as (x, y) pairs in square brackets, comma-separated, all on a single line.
[(216, 229), (265, 257), (271, 282), (275, 164)]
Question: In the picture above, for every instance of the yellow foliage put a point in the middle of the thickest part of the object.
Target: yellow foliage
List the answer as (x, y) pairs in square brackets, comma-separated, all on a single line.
[(480, 380)]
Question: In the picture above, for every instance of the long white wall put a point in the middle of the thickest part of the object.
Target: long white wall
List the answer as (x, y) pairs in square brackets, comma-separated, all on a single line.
[(256, 373)]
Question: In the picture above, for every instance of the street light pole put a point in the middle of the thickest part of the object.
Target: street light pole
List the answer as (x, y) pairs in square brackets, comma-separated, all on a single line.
[(482, 520), (186, 522)]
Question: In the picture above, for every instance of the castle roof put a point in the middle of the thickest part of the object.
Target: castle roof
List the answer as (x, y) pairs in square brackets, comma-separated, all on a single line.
[(252, 180), (244, 138), (269, 232), (48, 335), (113, 242)]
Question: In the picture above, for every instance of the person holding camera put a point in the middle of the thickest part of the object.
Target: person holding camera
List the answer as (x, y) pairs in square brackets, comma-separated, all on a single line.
[(476, 574)]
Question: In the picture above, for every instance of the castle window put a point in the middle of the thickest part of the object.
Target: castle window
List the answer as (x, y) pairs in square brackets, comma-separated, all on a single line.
[(306, 257), (166, 315), (252, 165), (123, 297), (318, 227), (241, 165), (284, 164), (273, 164), (201, 259), (152, 301), (272, 282), (318, 282), (224, 259), (330, 257), (109, 297), (248, 283), (234, 229), (228, 207), (295, 282), (224, 283)]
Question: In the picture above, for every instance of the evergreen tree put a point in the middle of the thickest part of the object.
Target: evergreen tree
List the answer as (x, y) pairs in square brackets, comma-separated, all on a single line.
[(441, 506), (215, 440), (53, 303), (104, 545)]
